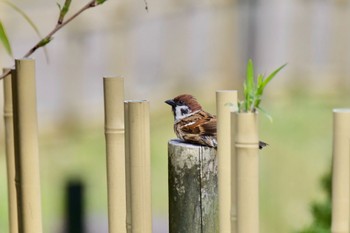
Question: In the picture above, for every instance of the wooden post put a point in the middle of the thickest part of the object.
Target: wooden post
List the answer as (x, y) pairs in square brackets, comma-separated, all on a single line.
[(193, 200), (226, 101), (26, 147), (341, 166), (10, 154), (138, 170), (115, 148), (247, 152)]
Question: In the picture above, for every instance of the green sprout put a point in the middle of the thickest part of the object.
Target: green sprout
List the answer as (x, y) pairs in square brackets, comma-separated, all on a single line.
[(254, 89), (4, 40)]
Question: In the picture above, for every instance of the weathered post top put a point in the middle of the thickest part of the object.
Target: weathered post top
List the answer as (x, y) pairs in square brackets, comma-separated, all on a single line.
[(193, 190)]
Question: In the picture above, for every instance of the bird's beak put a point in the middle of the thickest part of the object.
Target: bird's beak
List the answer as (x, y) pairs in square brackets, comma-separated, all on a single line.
[(171, 103)]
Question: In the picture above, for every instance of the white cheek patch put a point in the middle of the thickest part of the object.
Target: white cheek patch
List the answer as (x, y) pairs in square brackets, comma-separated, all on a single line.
[(181, 112)]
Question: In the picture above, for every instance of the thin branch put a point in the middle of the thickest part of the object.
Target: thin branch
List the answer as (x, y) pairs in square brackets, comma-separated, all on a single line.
[(58, 26)]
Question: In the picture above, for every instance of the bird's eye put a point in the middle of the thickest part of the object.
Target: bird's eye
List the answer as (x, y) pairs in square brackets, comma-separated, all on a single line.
[(184, 111)]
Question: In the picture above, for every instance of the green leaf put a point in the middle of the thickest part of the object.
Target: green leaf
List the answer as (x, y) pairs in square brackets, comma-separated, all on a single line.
[(4, 40), (249, 86), (259, 90), (272, 75), (28, 19), (100, 1), (254, 88), (44, 42), (64, 10), (59, 6), (24, 15), (250, 76), (240, 106), (261, 87), (260, 80), (266, 114), (246, 97)]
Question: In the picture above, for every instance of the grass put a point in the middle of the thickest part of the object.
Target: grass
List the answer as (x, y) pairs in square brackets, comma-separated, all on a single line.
[(299, 154)]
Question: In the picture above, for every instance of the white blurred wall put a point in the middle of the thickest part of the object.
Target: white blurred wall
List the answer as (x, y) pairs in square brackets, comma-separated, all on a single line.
[(179, 46)]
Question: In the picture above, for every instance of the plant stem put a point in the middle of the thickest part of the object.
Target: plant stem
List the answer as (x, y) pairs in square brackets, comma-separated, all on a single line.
[(48, 37)]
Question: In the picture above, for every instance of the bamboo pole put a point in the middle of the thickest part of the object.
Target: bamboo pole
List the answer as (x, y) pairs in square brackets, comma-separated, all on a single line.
[(226, 101), (233, 174), (247, 147), (193, 199), (26, 147), (127, 169), (139, 170), (115, 148), (10, 154), (341, 166)]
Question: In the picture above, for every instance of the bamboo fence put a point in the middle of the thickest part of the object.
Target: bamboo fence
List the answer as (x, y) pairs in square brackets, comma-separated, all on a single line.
[(247, 171), (10, 154), (138, 167), (340, 176), (115, 150), (226, 101), (127, 170), (127, 132), (26, 147)]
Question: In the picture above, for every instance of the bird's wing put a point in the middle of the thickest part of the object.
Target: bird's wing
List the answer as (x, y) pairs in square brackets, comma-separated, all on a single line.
[(203, 125)]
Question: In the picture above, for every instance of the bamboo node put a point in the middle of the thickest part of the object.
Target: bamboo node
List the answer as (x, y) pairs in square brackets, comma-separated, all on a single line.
[(114, 131), (8, 114), (247, 145)]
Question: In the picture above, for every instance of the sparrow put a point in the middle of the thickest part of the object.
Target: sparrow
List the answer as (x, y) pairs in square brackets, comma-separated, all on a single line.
[(194, 125)]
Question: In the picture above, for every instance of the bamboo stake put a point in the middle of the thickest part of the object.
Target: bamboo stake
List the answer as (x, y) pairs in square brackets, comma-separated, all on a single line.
[(10, 153), (127, 169), (233, 174), (223, 101), (139, 170), (26, 147), (341, 166), (115, 146), (247, 147)]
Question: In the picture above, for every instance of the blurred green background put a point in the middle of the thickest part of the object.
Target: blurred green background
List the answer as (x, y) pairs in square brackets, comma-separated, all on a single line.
[(178, 47)]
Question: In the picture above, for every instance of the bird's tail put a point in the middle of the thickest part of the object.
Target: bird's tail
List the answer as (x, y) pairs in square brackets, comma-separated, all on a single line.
[(262, 144)]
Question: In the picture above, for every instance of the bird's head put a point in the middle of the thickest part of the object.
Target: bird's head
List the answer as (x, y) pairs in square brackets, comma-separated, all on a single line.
[(183, 106)]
